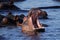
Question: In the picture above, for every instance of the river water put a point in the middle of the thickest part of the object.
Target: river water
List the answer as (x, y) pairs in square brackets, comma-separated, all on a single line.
[(52, 32)]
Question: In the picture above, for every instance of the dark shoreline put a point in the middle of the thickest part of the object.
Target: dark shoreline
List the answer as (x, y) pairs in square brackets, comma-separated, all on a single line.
[(49, 7), (13, 0), (15, 8), (12, 7)]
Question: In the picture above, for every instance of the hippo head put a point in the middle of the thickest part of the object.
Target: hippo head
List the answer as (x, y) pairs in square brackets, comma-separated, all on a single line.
[(4, 20)]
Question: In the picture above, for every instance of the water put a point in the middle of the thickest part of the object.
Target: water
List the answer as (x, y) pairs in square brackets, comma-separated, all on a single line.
[(52, 32), (36, 3)]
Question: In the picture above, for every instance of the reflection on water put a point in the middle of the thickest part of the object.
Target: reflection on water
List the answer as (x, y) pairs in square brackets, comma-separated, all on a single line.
[(31, 36), (35, 37)]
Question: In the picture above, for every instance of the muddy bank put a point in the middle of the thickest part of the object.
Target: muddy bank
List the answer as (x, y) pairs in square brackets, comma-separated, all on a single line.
[(57, 0), (5, 6), (49, 7), (13, 7), (9, 7), (13, 0)]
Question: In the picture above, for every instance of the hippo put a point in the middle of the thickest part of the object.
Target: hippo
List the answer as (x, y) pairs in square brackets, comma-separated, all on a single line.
[(41, 14), (31, 23), (21, 16), (12, 20), (20, 19), (8, 19), (4, 20), (9, 15)]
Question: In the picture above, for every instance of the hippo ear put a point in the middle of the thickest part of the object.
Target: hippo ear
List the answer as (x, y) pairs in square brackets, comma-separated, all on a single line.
[(45, 13), (30, 12)]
